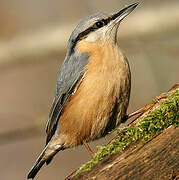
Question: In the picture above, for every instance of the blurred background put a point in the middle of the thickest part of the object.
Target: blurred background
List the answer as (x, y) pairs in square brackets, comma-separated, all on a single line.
[(33, 39)]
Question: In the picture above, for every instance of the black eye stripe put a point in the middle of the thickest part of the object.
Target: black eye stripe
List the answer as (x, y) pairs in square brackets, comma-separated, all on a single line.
[(90, 29), (101, 23), (106, 21), (94, 27)]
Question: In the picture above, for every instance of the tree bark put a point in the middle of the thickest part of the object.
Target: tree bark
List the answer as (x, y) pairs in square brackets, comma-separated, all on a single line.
[(157, 159)]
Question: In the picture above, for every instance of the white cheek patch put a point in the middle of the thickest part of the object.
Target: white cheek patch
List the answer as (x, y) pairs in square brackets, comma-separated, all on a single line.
[(92, 37), (96, 35)]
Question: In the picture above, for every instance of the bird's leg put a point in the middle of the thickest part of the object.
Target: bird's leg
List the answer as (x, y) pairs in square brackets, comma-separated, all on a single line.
[(148, 106), (139, 111), (128, 122), (88, 148), (91, 153)]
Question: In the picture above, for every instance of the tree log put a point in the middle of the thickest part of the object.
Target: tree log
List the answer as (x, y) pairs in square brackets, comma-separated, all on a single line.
[(157, 159)]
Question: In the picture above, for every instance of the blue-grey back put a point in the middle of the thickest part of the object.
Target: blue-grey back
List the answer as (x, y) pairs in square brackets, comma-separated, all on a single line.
[(70, 71)]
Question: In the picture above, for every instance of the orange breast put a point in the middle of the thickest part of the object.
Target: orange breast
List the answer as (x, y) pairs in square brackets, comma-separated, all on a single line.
[(89, 109)]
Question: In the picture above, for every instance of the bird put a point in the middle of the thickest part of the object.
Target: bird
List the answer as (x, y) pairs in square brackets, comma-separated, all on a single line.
[(93, 87)]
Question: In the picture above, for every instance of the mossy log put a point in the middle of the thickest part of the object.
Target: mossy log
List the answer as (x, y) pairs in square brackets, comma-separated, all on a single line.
[(146, 149), (157, 159)]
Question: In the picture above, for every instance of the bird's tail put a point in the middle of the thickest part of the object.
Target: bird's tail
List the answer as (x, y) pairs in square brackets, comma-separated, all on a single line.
[(45, 157)]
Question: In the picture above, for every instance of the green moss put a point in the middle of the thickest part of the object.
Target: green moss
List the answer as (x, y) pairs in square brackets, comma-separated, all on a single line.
[(160, 118)]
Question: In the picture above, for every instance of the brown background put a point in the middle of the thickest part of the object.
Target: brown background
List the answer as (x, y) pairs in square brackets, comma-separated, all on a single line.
[(27, 82)]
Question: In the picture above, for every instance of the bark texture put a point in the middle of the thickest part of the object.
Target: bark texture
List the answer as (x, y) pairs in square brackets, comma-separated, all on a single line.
[(157, 159)]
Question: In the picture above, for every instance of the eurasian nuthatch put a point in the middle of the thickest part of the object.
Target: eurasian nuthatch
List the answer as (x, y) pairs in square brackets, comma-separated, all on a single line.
[(93, 87)]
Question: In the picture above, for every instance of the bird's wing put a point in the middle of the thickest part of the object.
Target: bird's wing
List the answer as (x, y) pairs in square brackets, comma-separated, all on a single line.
[(69, 78)]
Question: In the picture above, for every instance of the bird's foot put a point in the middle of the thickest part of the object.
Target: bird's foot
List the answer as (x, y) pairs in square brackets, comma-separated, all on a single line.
[(88, 148)]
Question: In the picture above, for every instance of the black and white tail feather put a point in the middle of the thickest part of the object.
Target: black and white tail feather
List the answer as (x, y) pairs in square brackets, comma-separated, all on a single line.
[(45, 157)]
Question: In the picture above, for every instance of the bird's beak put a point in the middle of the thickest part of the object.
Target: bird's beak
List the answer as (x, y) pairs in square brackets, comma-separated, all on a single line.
[(119, 16)]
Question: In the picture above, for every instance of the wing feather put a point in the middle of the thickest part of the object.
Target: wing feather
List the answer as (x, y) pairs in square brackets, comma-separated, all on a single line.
[(70, 76)]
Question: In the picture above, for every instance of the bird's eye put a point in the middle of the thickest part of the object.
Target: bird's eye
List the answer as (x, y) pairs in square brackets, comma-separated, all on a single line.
[(99, 24)]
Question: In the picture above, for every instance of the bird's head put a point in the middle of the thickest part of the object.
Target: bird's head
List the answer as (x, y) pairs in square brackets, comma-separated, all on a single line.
[(99, 27)]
